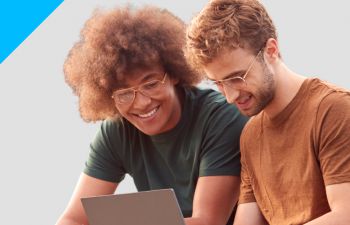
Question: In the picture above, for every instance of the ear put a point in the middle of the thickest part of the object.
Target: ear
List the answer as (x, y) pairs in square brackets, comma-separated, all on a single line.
[(271, 50), (174, 80)]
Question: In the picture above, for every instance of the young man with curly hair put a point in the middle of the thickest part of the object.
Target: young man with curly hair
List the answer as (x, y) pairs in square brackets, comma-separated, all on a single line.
[(129, 70), (295, 148)]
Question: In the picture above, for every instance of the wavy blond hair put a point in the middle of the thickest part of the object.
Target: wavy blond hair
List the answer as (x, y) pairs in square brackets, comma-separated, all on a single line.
[(227, 24)]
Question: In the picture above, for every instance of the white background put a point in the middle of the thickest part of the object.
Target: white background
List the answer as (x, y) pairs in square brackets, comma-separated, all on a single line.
[(43, 141)]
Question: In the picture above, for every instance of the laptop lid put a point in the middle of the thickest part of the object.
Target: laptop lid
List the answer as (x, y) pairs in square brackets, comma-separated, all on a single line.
[(156, 207)]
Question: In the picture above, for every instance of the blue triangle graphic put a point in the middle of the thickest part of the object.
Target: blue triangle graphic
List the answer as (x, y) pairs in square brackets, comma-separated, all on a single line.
[(18, 19)]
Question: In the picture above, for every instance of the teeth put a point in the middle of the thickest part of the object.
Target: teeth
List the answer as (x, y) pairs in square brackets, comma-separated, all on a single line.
[(148, 114)]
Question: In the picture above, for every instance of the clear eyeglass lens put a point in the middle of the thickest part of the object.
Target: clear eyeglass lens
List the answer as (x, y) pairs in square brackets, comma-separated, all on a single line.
[(150, 86), (125, 96), (234, 82)]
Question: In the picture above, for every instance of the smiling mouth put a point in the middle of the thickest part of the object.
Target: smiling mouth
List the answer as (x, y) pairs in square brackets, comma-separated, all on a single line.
[(149, 114), (244, 100)]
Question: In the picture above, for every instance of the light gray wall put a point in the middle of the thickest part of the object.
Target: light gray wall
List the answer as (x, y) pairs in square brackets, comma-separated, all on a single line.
[(44, 143)]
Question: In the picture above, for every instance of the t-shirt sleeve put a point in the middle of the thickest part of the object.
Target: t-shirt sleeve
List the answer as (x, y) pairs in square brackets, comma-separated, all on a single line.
[(220, 153), (246, 191), (103, 161), (333, 121)]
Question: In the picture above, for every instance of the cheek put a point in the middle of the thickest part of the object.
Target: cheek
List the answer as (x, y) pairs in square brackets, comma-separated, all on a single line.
[(169, 94), (170, 99), (122, 110), (167, 100), (221, 89)]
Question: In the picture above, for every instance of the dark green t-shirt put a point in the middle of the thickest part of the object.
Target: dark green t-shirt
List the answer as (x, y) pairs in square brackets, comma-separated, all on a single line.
[(205, 142)]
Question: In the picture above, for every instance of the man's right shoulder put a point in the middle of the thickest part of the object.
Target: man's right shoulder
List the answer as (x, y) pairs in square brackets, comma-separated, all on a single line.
[(252, 127)]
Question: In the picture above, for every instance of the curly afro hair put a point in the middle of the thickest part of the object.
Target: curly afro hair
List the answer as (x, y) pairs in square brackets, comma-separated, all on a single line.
[(113, 44)]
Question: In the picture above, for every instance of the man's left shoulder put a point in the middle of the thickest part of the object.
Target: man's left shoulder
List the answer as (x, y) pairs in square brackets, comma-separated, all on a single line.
[(330, 90), (325, 95), (211, 107), (212, 99), (336, 97)]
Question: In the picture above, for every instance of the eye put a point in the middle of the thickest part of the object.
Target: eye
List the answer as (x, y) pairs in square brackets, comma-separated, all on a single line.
[(124, 94), (234, 81), (241, 74), (150, 85)]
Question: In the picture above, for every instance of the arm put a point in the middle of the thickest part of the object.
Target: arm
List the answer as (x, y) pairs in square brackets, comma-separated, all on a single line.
[(214, 199), (87, 186), (248, 211), (333, 122), (217, 188), (338, 198), (249, 214)]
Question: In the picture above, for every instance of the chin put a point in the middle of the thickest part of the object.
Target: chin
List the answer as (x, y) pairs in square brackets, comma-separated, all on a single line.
[(251, 112), (150, 131)]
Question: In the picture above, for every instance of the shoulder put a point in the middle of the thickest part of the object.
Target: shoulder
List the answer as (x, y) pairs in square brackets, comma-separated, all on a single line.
[(117, 129), (209, 101), (330, 98), (323, 90), (115, 138), (112, 125), (211, 112), (202, 95), (252, 129)]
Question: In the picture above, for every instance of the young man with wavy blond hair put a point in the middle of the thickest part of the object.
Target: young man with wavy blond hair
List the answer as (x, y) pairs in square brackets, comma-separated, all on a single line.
[(295, 148)]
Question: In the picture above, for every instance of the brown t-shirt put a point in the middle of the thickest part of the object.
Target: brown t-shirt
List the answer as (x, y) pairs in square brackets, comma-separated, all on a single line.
[(287, 161)]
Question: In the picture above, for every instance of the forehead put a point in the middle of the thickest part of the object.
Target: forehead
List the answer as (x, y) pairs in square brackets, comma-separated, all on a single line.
[(227, 62), (139, 76)]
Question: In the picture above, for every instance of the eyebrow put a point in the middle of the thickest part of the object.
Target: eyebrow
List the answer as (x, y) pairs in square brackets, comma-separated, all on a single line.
[(146, 78), (231, 75), (149, 76)]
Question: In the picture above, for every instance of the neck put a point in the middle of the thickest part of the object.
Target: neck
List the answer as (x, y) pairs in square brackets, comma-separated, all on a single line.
[(287, 84)]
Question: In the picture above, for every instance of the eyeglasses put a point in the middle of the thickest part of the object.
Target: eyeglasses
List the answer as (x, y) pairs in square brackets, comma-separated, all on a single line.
[(237, 81), (150, 88)]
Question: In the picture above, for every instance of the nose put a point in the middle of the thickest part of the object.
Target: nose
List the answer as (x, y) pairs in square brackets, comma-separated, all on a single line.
[(141, 100), (231, 94)]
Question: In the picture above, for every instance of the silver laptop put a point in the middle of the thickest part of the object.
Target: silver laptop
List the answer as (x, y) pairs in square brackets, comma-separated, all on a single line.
[(156, 207)]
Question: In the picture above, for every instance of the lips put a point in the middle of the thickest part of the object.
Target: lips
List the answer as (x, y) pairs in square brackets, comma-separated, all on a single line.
[(243, 99), (243, 102)]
